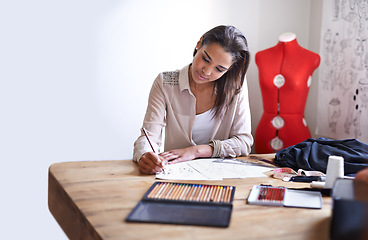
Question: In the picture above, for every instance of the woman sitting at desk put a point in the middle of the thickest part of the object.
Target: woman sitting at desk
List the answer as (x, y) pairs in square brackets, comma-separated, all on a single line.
[(204, 107)]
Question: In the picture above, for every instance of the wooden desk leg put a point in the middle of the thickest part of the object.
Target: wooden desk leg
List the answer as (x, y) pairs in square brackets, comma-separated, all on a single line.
[(67, 214)]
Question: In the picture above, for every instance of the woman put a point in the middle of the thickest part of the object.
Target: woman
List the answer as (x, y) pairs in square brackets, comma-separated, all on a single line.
[(204, 107)]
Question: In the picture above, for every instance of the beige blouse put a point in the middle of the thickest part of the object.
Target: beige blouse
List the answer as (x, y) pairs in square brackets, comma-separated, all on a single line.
[(172, 105)]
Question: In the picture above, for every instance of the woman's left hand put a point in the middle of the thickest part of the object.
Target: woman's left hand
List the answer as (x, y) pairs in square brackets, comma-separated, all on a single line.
[(186, 154)]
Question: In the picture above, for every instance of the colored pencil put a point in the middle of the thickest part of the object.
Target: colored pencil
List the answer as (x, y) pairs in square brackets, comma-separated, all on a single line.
[(162, 191), (205, 193), (154, 190), (199, 192), (230, 194), (176, 191), (182, 187)]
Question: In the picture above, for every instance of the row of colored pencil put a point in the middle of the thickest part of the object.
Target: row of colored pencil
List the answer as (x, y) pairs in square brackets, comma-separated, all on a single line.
[(271, 194), (191, 192)]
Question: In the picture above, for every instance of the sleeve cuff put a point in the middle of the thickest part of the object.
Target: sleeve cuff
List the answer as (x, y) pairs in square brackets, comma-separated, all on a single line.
[(217, 148)]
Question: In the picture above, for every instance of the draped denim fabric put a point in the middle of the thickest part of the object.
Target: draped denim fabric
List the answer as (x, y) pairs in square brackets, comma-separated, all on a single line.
[(312, 154)]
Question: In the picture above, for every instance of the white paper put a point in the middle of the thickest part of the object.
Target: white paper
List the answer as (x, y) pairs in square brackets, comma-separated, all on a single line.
[(302, 199), (212, 169), (182, 171)]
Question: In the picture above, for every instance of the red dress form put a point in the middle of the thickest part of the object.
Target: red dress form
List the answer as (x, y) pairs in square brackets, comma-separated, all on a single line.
[(285, 74)]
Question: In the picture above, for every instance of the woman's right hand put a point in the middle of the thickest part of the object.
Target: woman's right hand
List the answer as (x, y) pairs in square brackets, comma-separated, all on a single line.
[(151, 163)]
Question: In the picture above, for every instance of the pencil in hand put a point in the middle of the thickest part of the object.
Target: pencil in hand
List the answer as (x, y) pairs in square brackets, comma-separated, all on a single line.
[(148, 139), (150, 143)]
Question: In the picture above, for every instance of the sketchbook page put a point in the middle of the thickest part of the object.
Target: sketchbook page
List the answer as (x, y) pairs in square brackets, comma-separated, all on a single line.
[(233, 168), (211, 169), (183, 171), (228, 168)]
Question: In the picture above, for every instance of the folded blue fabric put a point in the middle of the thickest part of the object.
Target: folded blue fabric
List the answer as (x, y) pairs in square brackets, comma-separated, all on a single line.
[(312, 154)]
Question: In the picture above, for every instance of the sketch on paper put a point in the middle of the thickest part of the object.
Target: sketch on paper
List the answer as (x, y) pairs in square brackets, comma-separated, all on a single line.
[(343, 73), (212, 169)]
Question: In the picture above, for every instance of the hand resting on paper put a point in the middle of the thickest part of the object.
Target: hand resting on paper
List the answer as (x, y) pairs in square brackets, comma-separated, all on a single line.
[(187, 154)]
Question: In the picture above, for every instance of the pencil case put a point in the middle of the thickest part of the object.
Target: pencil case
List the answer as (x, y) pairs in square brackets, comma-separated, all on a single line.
[(185, 204)]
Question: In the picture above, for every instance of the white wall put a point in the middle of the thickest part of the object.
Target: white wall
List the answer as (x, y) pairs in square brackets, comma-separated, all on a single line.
[(75, 77)]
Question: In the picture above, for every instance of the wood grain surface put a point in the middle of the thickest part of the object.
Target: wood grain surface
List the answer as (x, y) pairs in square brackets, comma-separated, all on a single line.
[(91, 199)]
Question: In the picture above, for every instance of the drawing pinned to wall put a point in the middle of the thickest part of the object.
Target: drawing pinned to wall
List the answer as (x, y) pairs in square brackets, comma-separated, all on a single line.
[(343, 74)]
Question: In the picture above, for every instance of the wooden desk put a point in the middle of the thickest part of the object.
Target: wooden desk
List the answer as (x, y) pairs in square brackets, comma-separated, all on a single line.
[(90, 200)]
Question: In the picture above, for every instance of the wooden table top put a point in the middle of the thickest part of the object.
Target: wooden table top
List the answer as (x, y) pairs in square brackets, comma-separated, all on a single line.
[(91, 199)]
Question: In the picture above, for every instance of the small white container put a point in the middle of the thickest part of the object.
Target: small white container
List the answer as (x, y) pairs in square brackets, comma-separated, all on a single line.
[(335, 170)]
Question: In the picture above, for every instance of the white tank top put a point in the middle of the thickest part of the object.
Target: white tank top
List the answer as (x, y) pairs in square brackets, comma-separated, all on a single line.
[(202, 127)]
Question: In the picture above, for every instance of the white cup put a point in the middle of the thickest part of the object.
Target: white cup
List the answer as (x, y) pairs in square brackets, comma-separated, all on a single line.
[(335, 170)]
